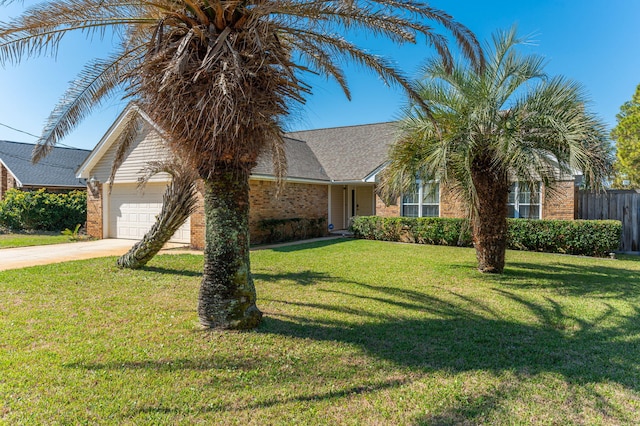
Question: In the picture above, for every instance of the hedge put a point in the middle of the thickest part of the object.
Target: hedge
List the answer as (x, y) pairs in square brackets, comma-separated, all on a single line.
[(298, 228), (42, 211), (580, 237)]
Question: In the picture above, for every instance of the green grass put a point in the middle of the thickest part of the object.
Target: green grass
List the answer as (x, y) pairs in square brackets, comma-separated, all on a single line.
[(26, 240), (355, 332)]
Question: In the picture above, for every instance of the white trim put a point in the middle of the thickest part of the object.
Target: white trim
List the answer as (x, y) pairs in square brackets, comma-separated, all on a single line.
[(371, 177), (84, 171), (105, 210), (420, 203), (516, 204)]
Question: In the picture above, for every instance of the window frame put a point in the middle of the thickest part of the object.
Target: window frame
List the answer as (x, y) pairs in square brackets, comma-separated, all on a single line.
[(514, 192), (421, 194)]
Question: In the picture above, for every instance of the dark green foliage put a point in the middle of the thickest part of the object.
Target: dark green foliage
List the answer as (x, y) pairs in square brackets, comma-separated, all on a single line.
[(424, 230), (42, 211), (298, 228), (581, 237)]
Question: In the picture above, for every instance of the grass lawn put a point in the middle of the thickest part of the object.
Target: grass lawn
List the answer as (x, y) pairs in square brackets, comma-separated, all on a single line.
[(355, 332), (26, 240)]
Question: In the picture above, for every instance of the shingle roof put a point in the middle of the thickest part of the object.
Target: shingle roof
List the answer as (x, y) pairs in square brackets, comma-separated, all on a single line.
[(350, 153), (301, 162), (56, 169)]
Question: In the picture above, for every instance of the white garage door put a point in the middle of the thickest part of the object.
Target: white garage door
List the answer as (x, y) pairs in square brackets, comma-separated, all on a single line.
[(132, 213)]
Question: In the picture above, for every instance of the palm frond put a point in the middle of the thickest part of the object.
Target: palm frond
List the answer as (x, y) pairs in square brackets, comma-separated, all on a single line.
[(97, 81)]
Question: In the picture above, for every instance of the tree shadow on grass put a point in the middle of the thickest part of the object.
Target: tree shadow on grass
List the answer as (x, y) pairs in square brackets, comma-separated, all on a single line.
[(575, 280), (304, 278), (310, 245), (171, 271)]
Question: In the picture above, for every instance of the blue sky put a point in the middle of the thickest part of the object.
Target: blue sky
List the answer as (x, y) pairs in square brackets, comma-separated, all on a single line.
[(594, 42)]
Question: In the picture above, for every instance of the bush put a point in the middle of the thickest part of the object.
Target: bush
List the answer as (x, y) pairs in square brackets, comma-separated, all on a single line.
[(423, 230), (582, 237), (42, 211), (279, 230)]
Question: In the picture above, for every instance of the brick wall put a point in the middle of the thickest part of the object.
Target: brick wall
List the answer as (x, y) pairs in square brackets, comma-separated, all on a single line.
[(451, 204), (296, 200), (384, 210), (3, 181), (560, 204), (94, 211), (197, 220)]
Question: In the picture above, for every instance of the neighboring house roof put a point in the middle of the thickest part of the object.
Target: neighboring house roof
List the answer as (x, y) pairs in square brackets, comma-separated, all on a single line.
[(351, 153), (55, 170)]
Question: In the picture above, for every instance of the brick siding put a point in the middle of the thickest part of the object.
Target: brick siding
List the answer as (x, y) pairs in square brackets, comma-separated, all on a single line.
[(562, 203), (451, 204), (3, 180), (384, 210), (94, 211), (296, 200)]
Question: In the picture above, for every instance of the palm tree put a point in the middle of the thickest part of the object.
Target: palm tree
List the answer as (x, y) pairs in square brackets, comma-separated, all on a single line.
[(486, 128), (218, 77)]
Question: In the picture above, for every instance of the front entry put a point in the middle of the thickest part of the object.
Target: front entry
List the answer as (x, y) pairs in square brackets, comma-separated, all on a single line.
[(346, 201)]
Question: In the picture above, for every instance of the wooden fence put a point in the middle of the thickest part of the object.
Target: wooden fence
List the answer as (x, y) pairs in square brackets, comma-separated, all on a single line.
[(622, 205)]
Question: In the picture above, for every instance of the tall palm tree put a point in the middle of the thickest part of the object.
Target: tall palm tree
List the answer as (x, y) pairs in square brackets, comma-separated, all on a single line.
[(218, 77), (506, 122)]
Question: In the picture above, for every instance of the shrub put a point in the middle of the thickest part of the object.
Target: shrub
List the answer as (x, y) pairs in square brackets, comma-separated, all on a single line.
[(42, 211), (279, 230), (582, 237)]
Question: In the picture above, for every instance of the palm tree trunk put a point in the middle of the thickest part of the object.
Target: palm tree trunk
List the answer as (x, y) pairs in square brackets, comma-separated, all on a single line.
[(227, 297), (490, 219)]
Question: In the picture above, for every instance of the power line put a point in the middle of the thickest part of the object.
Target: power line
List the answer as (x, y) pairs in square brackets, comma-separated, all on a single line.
[(18, 130), (34, 136)]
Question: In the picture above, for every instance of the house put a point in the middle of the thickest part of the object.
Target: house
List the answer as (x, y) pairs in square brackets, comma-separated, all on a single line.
[(55, 172), (331, 175)]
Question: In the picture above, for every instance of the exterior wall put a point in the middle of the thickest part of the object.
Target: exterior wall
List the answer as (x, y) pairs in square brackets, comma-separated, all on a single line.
[(297, 200), (562, 204), (197, 220), (7, 181), (383, 210), (95, 209), (338, 194), (3, 180), (451, 205), (364, 201), (148, 146)]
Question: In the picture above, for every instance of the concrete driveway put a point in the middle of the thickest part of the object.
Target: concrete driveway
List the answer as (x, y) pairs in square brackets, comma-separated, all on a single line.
[(14, 258)]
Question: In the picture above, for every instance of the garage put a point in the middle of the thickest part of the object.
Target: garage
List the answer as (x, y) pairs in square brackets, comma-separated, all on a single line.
[(133, 212)]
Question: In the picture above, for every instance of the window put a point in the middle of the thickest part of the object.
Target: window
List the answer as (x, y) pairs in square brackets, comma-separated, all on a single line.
[(422, 200), (524, 201)]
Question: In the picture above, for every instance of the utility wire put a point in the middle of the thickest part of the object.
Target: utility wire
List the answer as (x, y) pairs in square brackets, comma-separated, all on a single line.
[(34, 136), (18, 130)]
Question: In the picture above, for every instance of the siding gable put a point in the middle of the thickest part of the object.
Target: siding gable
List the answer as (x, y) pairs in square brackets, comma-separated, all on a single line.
[(148, 146)]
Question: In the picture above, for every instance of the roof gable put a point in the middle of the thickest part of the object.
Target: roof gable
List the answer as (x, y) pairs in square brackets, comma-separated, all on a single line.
[(57, 169), (350, 153), (301, 161)]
